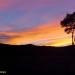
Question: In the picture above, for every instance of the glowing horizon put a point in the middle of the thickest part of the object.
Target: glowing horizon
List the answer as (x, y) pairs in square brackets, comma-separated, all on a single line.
[(34, 22), (43, 35)]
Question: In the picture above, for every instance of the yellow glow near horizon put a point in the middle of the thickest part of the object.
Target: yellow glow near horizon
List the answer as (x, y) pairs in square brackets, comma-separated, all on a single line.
[(47, 35), (63, 42)]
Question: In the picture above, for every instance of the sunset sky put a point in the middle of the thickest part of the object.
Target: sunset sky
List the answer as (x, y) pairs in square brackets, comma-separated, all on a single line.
[(34, 22)]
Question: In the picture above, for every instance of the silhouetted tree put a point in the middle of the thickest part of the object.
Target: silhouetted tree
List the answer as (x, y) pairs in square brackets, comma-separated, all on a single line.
[(69, 23)]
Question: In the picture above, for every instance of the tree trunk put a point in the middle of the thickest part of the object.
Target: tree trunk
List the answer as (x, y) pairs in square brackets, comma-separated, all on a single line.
[(72, 36)]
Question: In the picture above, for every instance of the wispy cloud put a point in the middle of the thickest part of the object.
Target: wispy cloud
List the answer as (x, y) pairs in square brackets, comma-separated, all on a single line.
[(34, 21), (47, 34)]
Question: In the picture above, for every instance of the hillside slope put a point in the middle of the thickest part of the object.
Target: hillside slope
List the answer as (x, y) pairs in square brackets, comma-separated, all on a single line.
[(37, 60)]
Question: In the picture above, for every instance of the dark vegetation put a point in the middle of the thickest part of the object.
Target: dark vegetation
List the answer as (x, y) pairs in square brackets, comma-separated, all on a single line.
[(37, 60), (69, 24)]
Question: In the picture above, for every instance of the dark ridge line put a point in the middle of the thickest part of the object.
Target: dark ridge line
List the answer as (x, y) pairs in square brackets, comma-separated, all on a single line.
[(31, 45)]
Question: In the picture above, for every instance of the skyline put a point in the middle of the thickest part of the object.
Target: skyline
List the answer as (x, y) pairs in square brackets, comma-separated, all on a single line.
[(34, 22)]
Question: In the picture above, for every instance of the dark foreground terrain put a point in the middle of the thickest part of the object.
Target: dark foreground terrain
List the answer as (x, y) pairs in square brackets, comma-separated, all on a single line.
[(37, 60)]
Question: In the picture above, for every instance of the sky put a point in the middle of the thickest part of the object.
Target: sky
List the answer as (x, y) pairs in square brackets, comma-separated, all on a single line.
[(34, 22)]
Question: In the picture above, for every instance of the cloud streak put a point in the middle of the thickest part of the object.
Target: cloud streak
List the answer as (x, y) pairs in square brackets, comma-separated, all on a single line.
[(34, 21), (45, 34)]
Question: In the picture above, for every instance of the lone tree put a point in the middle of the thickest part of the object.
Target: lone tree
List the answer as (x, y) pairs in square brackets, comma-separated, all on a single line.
[(69, 24)]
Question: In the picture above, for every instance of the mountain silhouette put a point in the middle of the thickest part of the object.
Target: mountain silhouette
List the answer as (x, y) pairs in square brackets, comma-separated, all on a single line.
[(37, 60)]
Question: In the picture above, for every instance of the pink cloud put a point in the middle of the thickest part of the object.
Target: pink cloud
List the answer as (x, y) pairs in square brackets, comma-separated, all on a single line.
[(29, 4), (4, 4), (33, 4)]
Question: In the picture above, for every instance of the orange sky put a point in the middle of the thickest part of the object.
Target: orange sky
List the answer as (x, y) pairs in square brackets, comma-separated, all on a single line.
[(34, 22), (50, 34)]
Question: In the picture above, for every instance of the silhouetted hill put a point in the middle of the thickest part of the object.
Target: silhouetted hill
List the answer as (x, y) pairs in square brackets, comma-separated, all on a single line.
[(37, 60)]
